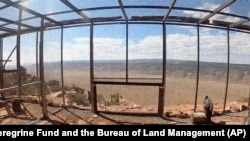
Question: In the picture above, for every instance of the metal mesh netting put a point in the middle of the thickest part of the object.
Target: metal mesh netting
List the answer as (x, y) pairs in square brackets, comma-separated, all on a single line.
[(76, 64), (29, 62), (52, 63), (213, 65), (145, 53), (239, 79), (144, 62), (8, 66), (29, 54), (127, 98), (109, 53), (10, 63), (181, 67), (76, 57), (207, 53)]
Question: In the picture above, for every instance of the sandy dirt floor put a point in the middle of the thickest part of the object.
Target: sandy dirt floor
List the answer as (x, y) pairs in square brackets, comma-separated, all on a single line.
[(32, 114)]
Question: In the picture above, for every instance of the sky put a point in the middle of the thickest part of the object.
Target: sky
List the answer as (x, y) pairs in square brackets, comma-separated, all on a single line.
[(144, 42)]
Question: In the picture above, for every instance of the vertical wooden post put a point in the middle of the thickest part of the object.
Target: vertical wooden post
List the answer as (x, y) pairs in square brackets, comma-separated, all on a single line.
[(161, 98), (127, 52), (1, 67), (18, 58), (42, 85), (94, 99), (62, 68), (198, 67), (92, 85), (161, 101), (228, 67), (37, 55)]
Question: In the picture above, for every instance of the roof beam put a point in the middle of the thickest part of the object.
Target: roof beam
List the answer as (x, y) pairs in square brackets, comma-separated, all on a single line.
[(6, 6), (15, 22), (169, 10), (103, 19), (123, 10), (238, 23), (8, 2), (70, 5), (7, 29), (217, 10)]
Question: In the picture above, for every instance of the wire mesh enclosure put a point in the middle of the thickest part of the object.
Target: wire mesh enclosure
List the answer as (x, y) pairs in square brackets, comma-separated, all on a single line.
[(125, 56)]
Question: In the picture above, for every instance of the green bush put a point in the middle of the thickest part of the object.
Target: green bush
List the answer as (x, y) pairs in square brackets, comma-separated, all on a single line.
[(78, 98)]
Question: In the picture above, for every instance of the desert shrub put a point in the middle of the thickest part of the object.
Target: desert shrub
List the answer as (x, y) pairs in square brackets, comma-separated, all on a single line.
[(30, 90), (244, 99), (78, 89), (78, 98), (10, 79), (54, 85), (23, 70), (101, 99), (114, 99), (67, 88)]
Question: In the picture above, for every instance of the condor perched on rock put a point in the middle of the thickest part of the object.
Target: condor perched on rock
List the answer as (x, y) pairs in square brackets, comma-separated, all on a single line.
[(208, 108)]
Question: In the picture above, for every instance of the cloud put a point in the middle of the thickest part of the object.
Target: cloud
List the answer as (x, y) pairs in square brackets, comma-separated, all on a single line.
[(77, 49), (148, 47), (212, 6), (213, 46), (206, 5), (109, 48), (240, 43), (180, 45)]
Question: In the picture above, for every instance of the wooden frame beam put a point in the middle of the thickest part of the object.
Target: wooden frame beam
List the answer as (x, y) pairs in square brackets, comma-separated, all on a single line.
[(217, 10), (10, 3), (16, 22), (70, 5), (238, 23), (169, 10), (123, 10)]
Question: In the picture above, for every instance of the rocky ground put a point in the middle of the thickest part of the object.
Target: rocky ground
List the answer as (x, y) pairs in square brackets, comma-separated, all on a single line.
[(235, 113)]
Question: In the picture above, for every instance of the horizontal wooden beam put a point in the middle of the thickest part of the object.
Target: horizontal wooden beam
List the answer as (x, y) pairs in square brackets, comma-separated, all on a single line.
[(8, 71), (176, 19), (238, 23), (127, 83)]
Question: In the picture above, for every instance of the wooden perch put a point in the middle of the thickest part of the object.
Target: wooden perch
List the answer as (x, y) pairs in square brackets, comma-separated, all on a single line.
[(199, 118)]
